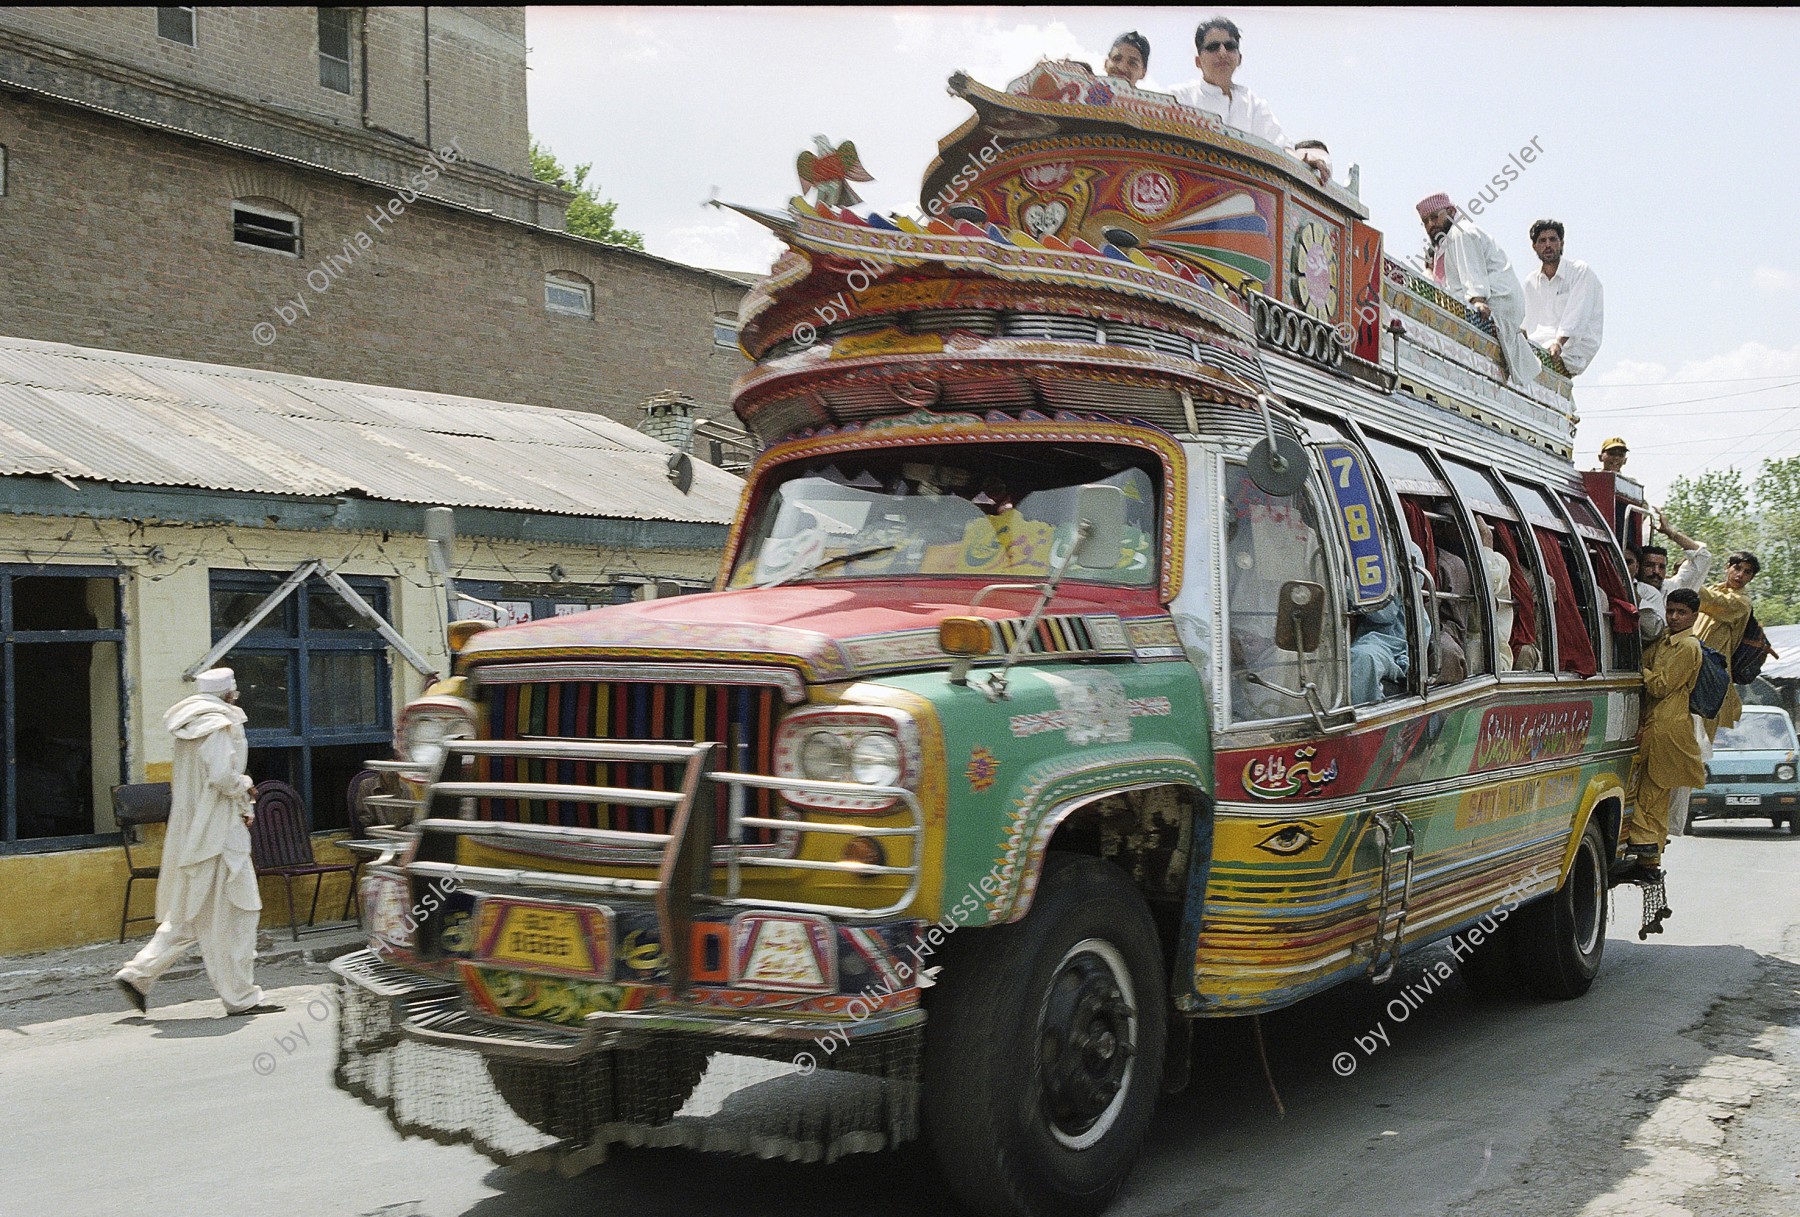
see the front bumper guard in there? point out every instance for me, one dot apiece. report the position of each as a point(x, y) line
point(431, 1010)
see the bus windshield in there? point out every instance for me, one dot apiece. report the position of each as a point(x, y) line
point(950, 510)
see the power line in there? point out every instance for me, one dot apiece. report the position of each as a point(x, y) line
point(1647, 409)
point(1658, 384)
point(1688, 401)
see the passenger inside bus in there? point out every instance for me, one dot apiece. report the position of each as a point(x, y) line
point(1380, 653)
point(1500, 598)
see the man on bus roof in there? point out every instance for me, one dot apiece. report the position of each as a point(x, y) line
point(1217, 42)
point(1470, 265)
point(1564, 303)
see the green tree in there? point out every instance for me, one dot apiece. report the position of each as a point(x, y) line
point(1778, 542)
point(589, 215)
point(1723, 511)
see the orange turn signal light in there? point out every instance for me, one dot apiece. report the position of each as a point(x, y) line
point(461, 631)
point(966, 635)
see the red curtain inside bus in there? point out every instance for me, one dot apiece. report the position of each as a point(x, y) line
point(1621, 608)
point(1575, 650)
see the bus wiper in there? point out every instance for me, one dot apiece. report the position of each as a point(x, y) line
point(837, 560)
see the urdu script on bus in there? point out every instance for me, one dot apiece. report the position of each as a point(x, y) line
point(1513, 735)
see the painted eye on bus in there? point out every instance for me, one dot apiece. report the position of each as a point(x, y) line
point(1289, 839)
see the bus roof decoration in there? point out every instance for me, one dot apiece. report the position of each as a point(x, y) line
point(829, 173)
point(1083, 245)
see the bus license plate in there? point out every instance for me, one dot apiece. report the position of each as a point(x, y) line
point(565, 939)
point(1743, 800)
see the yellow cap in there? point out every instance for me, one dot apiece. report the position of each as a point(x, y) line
point(1614, 442)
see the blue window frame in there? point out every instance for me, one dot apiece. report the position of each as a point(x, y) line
point(315, 682)
point(62, 705)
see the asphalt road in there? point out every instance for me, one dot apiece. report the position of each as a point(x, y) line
point(1671, 1090)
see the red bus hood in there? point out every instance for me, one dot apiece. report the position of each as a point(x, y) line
point(829, 631)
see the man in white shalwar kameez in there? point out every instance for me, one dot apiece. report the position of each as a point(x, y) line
point(1217, 43)
point(207, 892)
point(1565, 307)
point(1469, 264)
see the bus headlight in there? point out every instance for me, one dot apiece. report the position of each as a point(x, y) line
point(825, 757)
point(868, 745)
point(875, 759)
point(1784, 773)
point(426, 723)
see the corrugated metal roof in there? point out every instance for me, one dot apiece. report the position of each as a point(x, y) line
point(111, 416)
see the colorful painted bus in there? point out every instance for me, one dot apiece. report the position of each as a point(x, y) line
point(1152, 603)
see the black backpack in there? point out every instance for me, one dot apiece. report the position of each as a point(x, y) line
point(1711, 685)
point(1747, 661)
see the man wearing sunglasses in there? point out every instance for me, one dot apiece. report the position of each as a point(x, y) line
point(1218, 41)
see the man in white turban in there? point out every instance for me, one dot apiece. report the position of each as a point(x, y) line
point(1469, 264)
point(207, 892)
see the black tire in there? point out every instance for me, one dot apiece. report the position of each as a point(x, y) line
point(1559, 940)
point(1774, 821)
point(1045, 1048)
point(1489, 970)
point(1793, 823)
point(568, 1101)
point(1691, 828)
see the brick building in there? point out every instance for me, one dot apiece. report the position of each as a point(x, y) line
point(343, 193)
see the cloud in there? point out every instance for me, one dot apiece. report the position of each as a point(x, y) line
point(1772, 281)
point(1737, 408)
point(990, 51)
point(729, 243)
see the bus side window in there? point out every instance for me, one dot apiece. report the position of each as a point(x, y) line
point(1507, 561)
point(1610, 572)
point(1573, 600)
point(1525, 644)
point(1271, 541)
point(1615, 593)
point(1450, 622)
point(1435, 526)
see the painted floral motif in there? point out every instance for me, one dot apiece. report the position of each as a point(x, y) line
point(983, 767)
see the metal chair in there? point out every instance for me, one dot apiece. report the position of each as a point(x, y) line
point(133, 807)
point(281, 846)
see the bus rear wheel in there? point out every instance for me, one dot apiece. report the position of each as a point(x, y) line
point(1045, 1047)
point(1560, 939)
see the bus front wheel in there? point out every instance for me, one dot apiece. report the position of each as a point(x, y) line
point(1044, 1049)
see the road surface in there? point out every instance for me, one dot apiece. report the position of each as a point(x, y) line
point(1671, 1089)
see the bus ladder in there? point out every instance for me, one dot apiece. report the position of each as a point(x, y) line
point(1397, 847)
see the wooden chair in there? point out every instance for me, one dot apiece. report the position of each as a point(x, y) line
point(133, 807)
point(280, 845)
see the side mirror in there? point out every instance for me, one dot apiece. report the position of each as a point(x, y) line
point(440, 539)
point(1300, 616)
point(1102, 509)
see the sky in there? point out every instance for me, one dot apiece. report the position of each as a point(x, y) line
point(1667, 142)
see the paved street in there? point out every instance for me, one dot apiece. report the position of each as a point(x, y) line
point(1671, 1089)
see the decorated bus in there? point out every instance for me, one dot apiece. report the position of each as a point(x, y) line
point(1152, 602)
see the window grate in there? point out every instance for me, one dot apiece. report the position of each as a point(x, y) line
point(264, 229)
